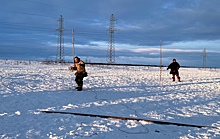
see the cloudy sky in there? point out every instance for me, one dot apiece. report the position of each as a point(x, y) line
point(28, 30)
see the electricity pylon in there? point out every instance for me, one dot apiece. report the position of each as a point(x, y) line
point(60, 44)
point(111, 49)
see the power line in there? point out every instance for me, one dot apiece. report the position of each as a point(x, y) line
point(26, 28)
point(26, 13)
point(55, 17)
point(69, 8)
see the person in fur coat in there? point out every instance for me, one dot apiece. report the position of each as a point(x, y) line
point(79, 66)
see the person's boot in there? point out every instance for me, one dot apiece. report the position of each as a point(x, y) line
point(79, 88)
point(80, 85)
point(178, 79)
point(173, 79)
point(77, 85)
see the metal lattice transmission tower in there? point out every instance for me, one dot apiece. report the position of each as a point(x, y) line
point(60, 44)
point(111, 49)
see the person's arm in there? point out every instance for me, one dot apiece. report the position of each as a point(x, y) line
point(81, 63)
point(178, 66)
point(168, 67)
point(72, 68)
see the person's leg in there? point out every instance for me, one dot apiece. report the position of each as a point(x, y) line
point(177, 75)
point(80, 86)
point(173, 77)
point(79, 83)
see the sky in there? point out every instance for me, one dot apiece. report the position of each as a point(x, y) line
point(187, 30)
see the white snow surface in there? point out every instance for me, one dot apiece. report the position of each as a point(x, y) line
point(26, 89)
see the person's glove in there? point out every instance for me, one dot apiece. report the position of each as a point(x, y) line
point(70, 68)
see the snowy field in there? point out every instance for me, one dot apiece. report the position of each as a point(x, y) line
point(26, 89)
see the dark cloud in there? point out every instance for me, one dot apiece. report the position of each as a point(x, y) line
point(33, 23)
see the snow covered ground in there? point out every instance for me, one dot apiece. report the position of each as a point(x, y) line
point(28, 88)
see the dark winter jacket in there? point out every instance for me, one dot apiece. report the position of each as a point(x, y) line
point(174, 68)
